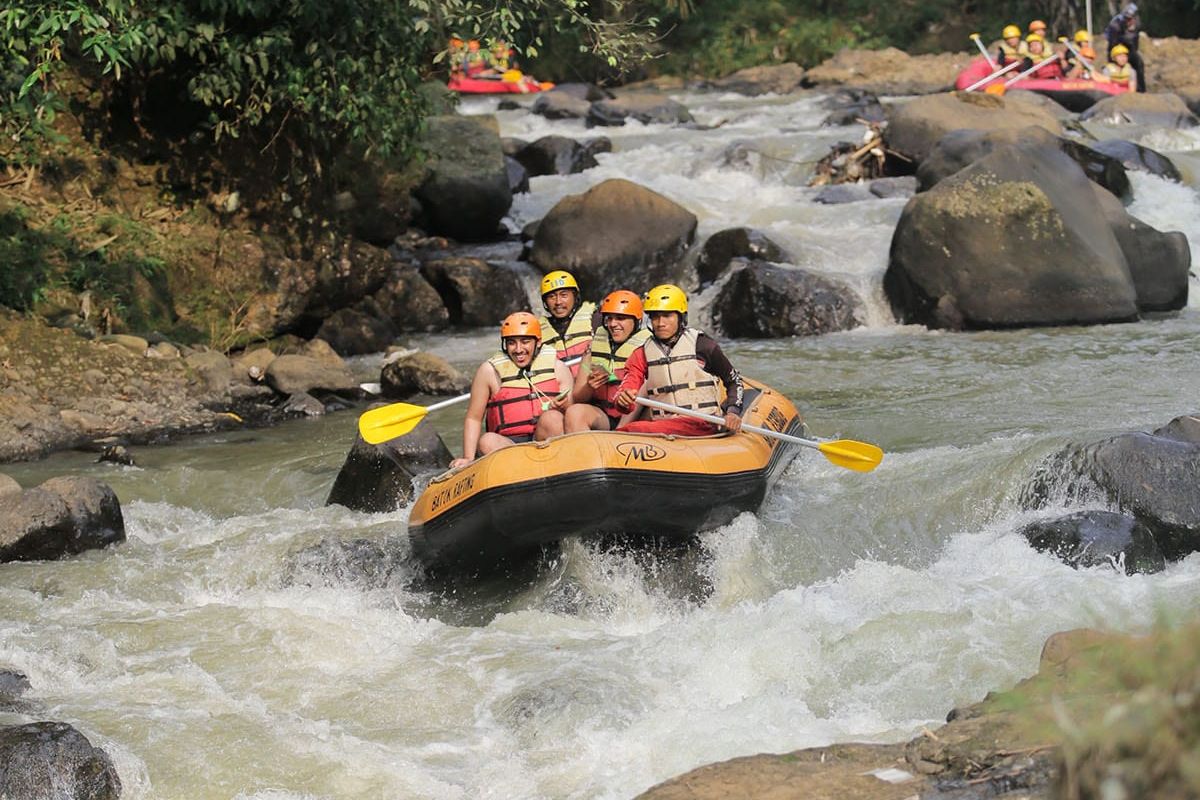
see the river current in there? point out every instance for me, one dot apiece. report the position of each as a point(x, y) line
point(211, 663)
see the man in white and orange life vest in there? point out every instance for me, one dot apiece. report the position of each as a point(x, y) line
point(517, 395)
point(569, 321)
point(593, 399)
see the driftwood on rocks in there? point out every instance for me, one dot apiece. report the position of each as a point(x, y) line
point(850, 162)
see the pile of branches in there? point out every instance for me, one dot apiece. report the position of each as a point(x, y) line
point(851, 162)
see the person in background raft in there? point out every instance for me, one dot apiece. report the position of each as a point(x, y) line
point(1120, 71)
point(569, 322)
point(600, 372)
point(1126, 29)
point(456, 52)
point(474, 62)
point(1075, 68)
point(1012, 47)
point(500, 57)
point(1050, 68)
point(681, 366)
point(518, 395)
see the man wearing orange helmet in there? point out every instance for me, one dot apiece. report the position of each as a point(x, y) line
point(569, 321)
point(518, 394)
point(600, 373)
point(681, 366)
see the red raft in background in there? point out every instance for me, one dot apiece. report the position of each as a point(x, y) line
point(511, 82)
point(1074, 94)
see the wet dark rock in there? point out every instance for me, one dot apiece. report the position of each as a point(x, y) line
point(1159, 109)
point(1134, 156)
point(556, 104)
point(955, 261)
point(353, 331)
point(852, 106)
point(53, 760)
point(307, 291)
point(13, 684)
point(615, 234)
point(475, 292)
point(645, 108)
point(1153, 476)
point(303, 404)
point(518, 176)
point(410, 301)
point(116, 454)
point(1158, 262)
point(511, 145)
point(213, 369)
point(290, 374)
point(724, 246)
point(63, 516)
point(421, 373)
point(766, 79)
point(840, 193)
point(1098, 538)
point(377, 478)
point(904, 186)
point(555, 155)
point(960, 148)
point(466, 191)
point(360, 562)
point(508, 105)
point(763, 300)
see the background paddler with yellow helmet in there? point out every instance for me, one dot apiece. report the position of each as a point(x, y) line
point(569, 321)
point(1012, 46)
point(517, 395)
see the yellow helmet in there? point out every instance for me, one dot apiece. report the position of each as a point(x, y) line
point(1035, 37)
point(1119, 50)
point(1082, 36)
point(558, 279)
point(666, 297)
point(520, 323)
point(1010, 31)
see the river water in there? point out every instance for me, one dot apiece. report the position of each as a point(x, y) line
point(212, 664)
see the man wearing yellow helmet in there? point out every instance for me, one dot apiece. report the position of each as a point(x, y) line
point(681, 366)
point(1012, 47)
point(518, 394)
point(569, 322)
point(1119, 70)
point(1126, 29)
point(1050, 68)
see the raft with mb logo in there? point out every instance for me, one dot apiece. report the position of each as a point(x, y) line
point(511, 504)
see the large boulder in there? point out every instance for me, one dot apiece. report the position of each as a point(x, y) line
point(474, 292)
point(465, 193)
point(62, 517)
point(292, 374)
point(1097, 538)
point(762, 300)
point(1153, 476)
point(213, 369)
point(410, 302)
point(53, 760)
point(1134, 156)
point(354, 331)
point(852, 107)
point(958, 148)
point(723, 247)
point(644, 107)
point(1142, 108)
point(518, 176)
point(420, 373)
point(765, 79)
point(555, 155)
point(379, 477)
point(1015, 239)
point(615, 234)
point(889, 71)
point(1159, 262)
point(567, 101)
point(915, 127)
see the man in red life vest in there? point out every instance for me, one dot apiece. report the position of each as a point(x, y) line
point(569, 321)
point(1050, 68)
point(593, 405)
point(517, 395)
point(681, 366)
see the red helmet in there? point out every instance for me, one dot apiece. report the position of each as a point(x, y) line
point(623, 302)
point(520, 323)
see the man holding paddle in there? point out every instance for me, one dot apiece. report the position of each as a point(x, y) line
point(679, 366)
point(517, 395)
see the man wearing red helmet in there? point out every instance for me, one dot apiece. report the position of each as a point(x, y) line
point(517, 395)
point(593, 405)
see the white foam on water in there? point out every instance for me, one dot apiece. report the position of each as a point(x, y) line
point(1170, 206)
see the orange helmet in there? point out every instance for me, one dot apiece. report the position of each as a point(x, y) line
point(1037, 25)
point(456, 41)
point(622, 302)
point(520, 323)
point(473, 45)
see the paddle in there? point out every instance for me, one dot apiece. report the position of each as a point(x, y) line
point(1031, 70)
point(995, 74)
point(858, 456)
point(978, 43)
point(1097, 76)
point(378, 425)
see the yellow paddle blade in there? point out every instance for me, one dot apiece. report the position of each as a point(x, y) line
point(511, 76)
point(858, 456)
point(995, 88)
point(387, 422)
